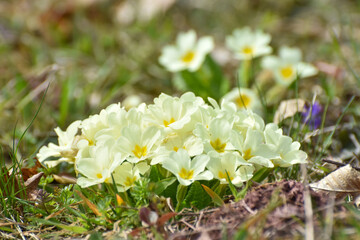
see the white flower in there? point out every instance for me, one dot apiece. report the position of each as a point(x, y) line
point(178, 140)
point(98, 166)
point(172, 112)
point(187, 54)
point(248, 120)
point(231, 163)
point(247, 44)
point(253, 148)
point(226, 110)
point(95, 123)
point(288, 66)
point(244, 98)
point(131, 101)
point(116, 121)
point(127, 174)
point(186, 170)
point(137, 143)
point(287, 150)
point(216, 136)
point(66, 150)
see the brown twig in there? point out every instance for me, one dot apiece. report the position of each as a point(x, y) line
point(339, 164)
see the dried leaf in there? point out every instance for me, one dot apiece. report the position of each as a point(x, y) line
point(32, 183)
point(216, 199)
point(29, 172)
point(343, 181)
point(288, 108)
point(92, 206)
point(331, 70)
point(64, 179)
point(164, 218)
point(136, 231)
point(14, 184)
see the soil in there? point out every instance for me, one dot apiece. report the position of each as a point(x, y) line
point(271, 211)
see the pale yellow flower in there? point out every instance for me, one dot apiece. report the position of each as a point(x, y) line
point(188, 53)
point(247, 44)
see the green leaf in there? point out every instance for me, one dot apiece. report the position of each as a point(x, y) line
point(170, 191)
point(231, 186)
point(218, 84)
point(96, 236)
point(260, 175)
point(160, 186)
point(197, 197)
point(193, 83)
point(154, 174)
point(215, 198)
point(74, 229)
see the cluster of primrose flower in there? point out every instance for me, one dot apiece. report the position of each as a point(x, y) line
point(245, 44)
point(184, 135)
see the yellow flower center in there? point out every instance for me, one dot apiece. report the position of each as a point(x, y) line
point(247, 50)
point(188, 57)
point(243, 101)
point(176, 148)
point(129, 181)
point(185, 174)
point(223, 175)
point(140, 151)
point(167, 123)
point(218, 145)
point(99, 175)
point(287, 72)
point(247, 154)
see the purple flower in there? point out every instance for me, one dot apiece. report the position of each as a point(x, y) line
point(312, 115)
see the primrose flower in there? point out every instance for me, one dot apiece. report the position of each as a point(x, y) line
point(186, 170)
point(137, 143)
point(244, 98)
point(127, 174)
point(238, 170)
point(116, 121)
point(98, 167)
point(288, 66)
point(173, 113)
point(93, 124)
point(178, 140)
point(216, 136)
point(187, 54)
point(65, 151)
point(248, 120)
point(247, 44)
point(253, 148)
point(288, 151)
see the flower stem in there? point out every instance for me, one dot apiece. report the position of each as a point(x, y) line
point(244, 74)
point(180, 196)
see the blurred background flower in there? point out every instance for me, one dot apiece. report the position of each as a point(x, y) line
point(247, 44)
point(312, 115)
